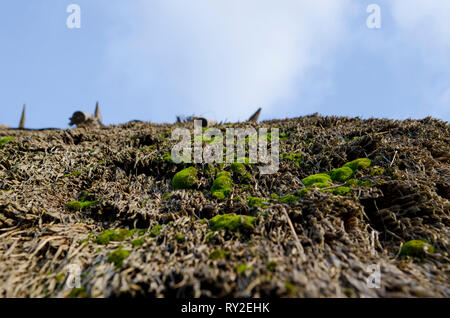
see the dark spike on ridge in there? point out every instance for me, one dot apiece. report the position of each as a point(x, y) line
point(22, 118)
point(97, 112)
point(254, 118)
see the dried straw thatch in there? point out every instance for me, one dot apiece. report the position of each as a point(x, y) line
point(314, 243)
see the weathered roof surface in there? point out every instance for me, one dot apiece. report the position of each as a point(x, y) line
point(403, 195)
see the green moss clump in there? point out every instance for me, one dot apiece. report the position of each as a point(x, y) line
point(113, 236)
point(218, 254)
point(365, 183)
point(241, 268)
point(5, 140)
point(303, 192)
point(237, 199)
point(289, 199)
point(238, 168)
point(320, 178)
point(73, 174)
point(254, 201)
point(352, 182)
point(78, 206)
point(232, 222)
point(180, 238)
point(341, 174)
point(358, 164)
point(167, 195)
point(271, 266)
point(78, 293)
point(222, 186)
point(290, 288)
point(118, 256)
point(167, 157)
point(377, 172)
point(275, 196)
point(154, 232)
point(416, 248)
point(341, 191)
point(137, 242)
point(185, 179)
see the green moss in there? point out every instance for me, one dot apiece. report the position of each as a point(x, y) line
point(180, 238)
point(167, 157)
point(289, 199)
point(73, 174)
point(167, 195)
point(352, 182)
point(78, 293)
point(243, 160)
point(84, 196)
point(365, 184)
point(416, 248)
point(275, 196)
point(303, 192)
point(238, 168)
point(218, 254)
point(237, 199)
point(5, 140)
point(341, 174)
point(254, 201)
point(242, 268)
point(377, 172)
point(232, 222)
point(117, 257)
point(358, 164)
point(341, 191)
point(154, 232)
point(271, 266)
point(320, 178)
point(296, 158)
point(137, 242)
point(113, 236)
point(222, 186)
point(290, 288)
point(148, 148)
point(78, 206)
point(60, 277)
point(185, 179)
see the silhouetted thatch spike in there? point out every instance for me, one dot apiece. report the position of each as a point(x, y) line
point(255, 116)
point(22, 119)
point(97, 112)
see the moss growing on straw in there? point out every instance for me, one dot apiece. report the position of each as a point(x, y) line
point(118, 256)
point(78, 205)
point(317, 179)
point(341, 174)
point(113, 236)
point(288, 199)
point(232, 222)
point(4, 141)
point(222, 186)
point(218, 254)
point(185, 179)
point(416, 248)
point(358, 164)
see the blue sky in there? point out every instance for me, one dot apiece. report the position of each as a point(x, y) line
point(154, 59)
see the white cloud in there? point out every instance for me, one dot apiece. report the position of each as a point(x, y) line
point(225, 58)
